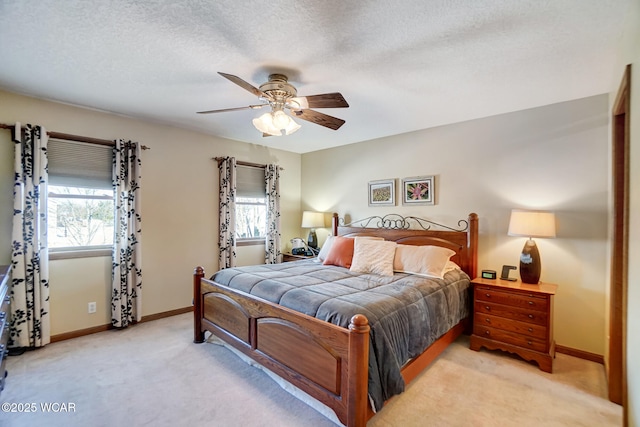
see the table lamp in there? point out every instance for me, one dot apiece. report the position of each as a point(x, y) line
point(531, 224)
point(312, 220)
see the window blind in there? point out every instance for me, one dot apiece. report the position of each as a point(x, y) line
point(250, 182)
point(78, 164)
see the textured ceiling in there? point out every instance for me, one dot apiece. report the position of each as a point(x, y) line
point(403, 65)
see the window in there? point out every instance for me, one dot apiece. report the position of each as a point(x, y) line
point(251, 204)
point(80, 198)
point(80, 217)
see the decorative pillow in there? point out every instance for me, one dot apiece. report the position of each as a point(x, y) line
point(340, 252)
point(373, 256)
point(428, 261)
point(326, 246)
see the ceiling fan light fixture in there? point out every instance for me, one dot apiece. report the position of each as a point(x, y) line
point(275, 122)
point(291, 127)
point(264, 124)
point(279, 94)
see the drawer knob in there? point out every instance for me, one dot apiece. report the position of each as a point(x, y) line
point(530, 302)
point(487, 333)
point(487, 320)
point(529, 342)
point(486, 307)
point(530, 329)
point(488, 295)
point(531, 316)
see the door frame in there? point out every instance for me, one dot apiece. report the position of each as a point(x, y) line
point(617, 366)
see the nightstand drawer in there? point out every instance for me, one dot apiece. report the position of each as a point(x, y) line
point(515, 313)
point(528, 329)
point(510, 338)
point(532, 302)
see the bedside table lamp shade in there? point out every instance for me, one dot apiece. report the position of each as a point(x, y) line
point(312, 220)
point(531, 224)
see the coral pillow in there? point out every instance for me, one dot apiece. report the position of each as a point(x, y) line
point(340, 252)
point(428, 261)
point(373, 256)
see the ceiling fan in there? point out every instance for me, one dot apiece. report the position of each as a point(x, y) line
point(279, 94)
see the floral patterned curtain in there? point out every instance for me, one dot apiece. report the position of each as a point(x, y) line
point(30, 320)
point(227, 214)
point(272, 242)
point(126, 277)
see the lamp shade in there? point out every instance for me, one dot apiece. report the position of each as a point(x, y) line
point(532, 223)
point(312, 219)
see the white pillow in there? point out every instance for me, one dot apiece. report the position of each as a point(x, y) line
point(326, 246)
point(428, 261)
point(373, 256)
point(450, 267)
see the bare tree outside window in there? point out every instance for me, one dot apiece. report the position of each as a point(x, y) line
point(80, 217)
point(251, 218)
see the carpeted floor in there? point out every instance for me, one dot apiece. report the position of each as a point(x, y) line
point(153, 375)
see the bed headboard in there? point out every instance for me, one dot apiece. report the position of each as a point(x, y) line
point(421, 232)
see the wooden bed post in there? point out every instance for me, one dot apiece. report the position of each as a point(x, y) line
point(472, 245)
point(198, 334)
point(334, 224)
point(358, 371)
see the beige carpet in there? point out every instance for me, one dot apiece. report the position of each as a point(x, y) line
point(153, 375)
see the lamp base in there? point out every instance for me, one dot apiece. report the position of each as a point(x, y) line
point(530, 264)
point(312, 240)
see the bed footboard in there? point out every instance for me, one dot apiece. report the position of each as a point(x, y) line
point(330, 363)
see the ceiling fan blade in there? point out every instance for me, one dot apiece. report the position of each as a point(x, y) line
point(247, 86)
point(318, 118)
point(325, 100)
point(252, 107)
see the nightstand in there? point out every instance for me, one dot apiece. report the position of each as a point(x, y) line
point(287, 256)
point(514, 317)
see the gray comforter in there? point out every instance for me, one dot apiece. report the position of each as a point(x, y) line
point(407, 313)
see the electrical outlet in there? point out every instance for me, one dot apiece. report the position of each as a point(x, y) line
point(92, 307)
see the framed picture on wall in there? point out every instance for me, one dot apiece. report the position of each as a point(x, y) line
point(382, 192)
point(419, 190)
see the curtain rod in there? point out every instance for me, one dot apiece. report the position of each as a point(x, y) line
point(241, 163)
point(59, 135)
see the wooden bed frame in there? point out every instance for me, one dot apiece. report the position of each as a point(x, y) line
point(326, 361)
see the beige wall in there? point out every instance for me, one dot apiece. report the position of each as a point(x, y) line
point(553, 157)
point(630, 54)
point(179, 202)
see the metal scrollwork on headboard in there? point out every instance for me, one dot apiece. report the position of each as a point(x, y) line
point(399, 222)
